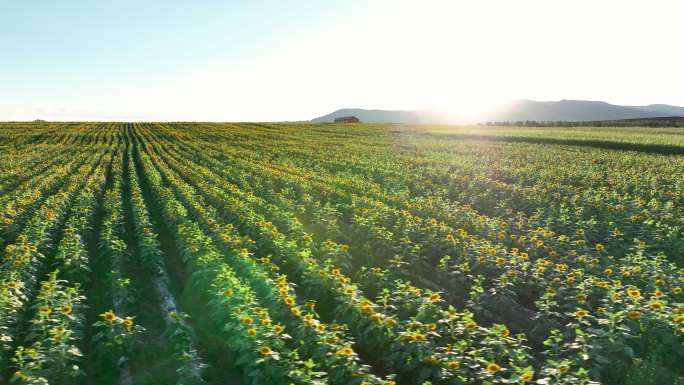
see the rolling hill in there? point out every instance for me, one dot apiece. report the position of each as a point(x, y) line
point(565, 110)
point(379, 116)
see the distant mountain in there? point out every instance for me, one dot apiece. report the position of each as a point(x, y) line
point(380, 116)
point(518, 110)
point(663, 109)
point(573, 110)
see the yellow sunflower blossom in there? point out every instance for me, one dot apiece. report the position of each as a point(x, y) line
point(265, 350)
point(109, 316)
point(128, 323)
point(581, 313)
point(633, 293)
point(346, 351)
point(527, 376)
point(492, 368)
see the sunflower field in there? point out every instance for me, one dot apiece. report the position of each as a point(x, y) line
point(341, 254)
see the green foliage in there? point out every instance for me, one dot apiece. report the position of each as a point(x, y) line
point(355, 254)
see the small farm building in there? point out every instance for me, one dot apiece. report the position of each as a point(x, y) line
point(347, 119)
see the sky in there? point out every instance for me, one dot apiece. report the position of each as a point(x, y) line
point(261, 60)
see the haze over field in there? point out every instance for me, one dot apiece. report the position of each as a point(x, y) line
point(271, 61)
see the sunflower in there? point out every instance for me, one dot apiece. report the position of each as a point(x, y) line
point(677, 290)
point(656, 305)
point(431, 326)
point(435, 297)
point(453, 364)
point(346, 351)
point(266, 322)
point(265, 350)
point(527, 376)
point(633, 314)
point(633, 293)
point(247, 320)
point(228, 292)
point(12, 285)
point(109, 316)
point(418, 337)
point(67, 309)
point(332, 340)
point(128, 323)
point(289, 301)
point(505, 332)
point(581, 313)
point(679, 319)
point(251, 332)
point(45, 310)
point(581, 297)
point(492, 368)
point(600, 247)
point(278, 329)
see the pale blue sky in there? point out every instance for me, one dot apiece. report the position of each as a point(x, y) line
point(289, 60)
